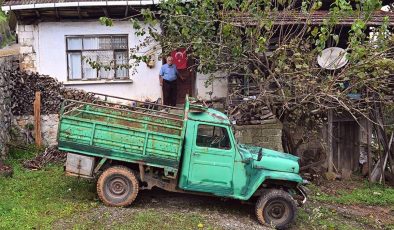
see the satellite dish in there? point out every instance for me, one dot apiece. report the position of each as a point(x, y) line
point(332, 58)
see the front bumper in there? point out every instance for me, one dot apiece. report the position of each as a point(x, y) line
point(302, 195)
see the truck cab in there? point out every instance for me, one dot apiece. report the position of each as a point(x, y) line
point(192, 150)
point(214, 162)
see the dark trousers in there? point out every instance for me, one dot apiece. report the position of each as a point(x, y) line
point(169, 92)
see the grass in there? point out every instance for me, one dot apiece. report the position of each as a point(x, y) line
point(154, 219)
point(368, 194)
point(141, 219)
point(34, 199)
point(321, 218)
point(151, 219)
point(38, 199)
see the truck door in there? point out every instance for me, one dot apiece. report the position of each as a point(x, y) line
point(211, 160)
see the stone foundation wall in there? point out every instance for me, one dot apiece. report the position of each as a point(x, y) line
point(23, 131)
point(7, 64)
point(267, 135)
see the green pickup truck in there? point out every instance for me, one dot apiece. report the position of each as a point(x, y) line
point(131, 146)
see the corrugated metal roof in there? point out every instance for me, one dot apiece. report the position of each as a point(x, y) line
point(316, 18)
point(25, 2)
point(29, 2)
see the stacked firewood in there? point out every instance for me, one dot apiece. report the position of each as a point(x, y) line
point(251, 113)
point(23, 88)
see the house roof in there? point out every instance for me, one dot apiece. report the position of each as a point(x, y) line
point(27, 2)
point(32, 11)
point(69, 9)
point(316, 18)
point(32, 2)
point(37, 4)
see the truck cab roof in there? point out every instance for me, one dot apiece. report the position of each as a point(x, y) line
point(208, 115)
point(201, 113)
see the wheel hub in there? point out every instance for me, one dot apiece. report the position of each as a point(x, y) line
point(118, 186)
point(276, 210)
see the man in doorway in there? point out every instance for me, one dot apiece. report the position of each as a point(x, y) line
point(168, 76)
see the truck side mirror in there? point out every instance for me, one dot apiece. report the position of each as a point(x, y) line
point(260, 155)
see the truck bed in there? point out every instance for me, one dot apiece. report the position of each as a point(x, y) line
point(142, 133)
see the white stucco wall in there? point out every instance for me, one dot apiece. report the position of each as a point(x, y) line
point(52, 60)
point(45, 52)
point(218, 86)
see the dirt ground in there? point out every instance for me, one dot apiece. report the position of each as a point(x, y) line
point(232, 214)
point(223, 214)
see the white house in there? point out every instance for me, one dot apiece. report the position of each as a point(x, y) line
point(55, 36)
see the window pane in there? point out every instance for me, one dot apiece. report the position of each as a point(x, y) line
point(105, 58)
point(101, 50)
point(74, 43)
point(105, 43)
point(213, 137)
point(74, 66)
point(88, 71)
point(90, 43)
point(121, 59)
point(119, 42)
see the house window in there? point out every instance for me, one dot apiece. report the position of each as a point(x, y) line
point(108, 50)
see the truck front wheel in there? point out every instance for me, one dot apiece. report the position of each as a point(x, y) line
point(117, 186)
point(276, 208)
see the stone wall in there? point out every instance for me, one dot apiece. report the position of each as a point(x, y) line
point(7, 64)
point(23, 131)
point(268, 135)
point(28, 47)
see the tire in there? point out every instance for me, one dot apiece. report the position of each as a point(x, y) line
point(276, 208)
point(117, 186)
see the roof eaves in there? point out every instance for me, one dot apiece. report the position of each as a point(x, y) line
point(79, 4)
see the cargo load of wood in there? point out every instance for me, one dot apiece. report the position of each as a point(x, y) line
point(24, 86)
point(250, 113)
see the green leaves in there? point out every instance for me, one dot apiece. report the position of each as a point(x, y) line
point(135, 24)
point(106, 21)
point(315, 31)
point(261, 45)
point(371, 5)
point(232, 36)
point(227, 28)
point(305, 5)
point(358, 26)
point(343, 5)
point(230, 4)
point(317, 5)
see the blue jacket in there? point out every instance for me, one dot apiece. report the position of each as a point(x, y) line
point(168, 72)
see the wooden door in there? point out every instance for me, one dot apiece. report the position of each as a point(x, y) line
point(184, 86)
point(346, 146)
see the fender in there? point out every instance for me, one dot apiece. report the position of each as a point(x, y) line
point(262, 175)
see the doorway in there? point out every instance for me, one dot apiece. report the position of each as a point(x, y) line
point(185, 86)
point(345, 145)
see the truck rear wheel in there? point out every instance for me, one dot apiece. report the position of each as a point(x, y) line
point(117, 186)
point(276, 208)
